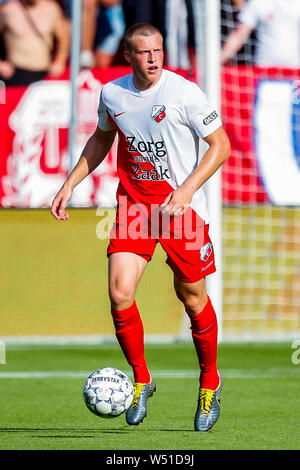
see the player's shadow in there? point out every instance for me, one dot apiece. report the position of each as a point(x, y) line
point(88, 432)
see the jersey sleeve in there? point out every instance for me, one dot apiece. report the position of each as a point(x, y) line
point(103, 122)
point(249, 14)
point(200, 114)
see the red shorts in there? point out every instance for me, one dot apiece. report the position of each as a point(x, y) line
point(185, 240)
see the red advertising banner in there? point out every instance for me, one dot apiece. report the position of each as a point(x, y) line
point(260, 112)
point(34, 128)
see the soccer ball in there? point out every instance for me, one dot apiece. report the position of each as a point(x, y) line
point(108, 392)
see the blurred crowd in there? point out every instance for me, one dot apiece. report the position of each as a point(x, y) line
point(35, 35)
point(263, 32)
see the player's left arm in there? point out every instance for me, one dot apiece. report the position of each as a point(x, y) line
point(217, 153)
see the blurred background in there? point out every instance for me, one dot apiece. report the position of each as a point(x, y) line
point(246, 56)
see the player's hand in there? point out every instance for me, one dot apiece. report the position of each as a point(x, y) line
point(177, 202)
point(59, 203)
point(56, 69)
point(7, 69)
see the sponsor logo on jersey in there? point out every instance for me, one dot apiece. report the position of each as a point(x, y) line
point(205, 252)
point(153, 174)
point(149, 152)
point(206, 267)
point(119, 114)
point(158, 112)
point(210, 118)
point(156, 149)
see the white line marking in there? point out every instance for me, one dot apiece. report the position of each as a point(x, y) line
point(81, 340)
point(164, 374)
point(78, 340)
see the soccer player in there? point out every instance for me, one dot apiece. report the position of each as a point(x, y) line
point(276, 24)
point(30, 28)
point(160, 119)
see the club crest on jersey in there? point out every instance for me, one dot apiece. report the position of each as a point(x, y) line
point(206, 251)
point(158, 112)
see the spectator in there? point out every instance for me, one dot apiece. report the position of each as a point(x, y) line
point(277, 25)
point(180, 36)
point(238, 3)
point(66, 7)
point(229, 20)
point(174, 18)
point(109, 32)
point(30, 28)
point(103, 26)
point(145, 11)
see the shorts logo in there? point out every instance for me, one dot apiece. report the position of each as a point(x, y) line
point(205, 252)
point(158, 112)
point(210, 118)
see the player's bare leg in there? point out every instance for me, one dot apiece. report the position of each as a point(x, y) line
point(125, 271)
point(192, 294)
point(204, 331)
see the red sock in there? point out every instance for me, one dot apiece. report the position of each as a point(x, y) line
point(204, 332)
point(130, 334)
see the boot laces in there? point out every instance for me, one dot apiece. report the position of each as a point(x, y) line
point(205, 397)
point(138, 387)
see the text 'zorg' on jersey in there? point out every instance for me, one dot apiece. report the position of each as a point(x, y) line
point(160, 131)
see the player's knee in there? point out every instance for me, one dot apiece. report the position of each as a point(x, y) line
point(121, 297)
point(193, 304)
point(194, 297)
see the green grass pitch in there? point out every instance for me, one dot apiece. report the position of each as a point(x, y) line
point(54, 282)
point(259, 404)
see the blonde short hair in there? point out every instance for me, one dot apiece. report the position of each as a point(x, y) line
point(142, 29)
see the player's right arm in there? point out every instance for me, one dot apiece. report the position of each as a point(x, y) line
point(94, 152)
point(235, 42)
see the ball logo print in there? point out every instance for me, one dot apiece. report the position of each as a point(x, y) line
point(158, 112)
point(108, 392)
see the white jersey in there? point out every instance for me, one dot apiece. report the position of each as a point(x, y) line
point(277, 25)
point(159, 134)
